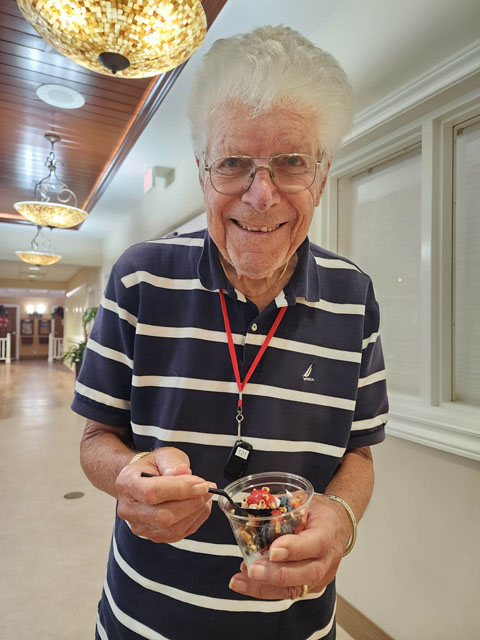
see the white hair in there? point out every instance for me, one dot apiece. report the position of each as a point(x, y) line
point(269, 67)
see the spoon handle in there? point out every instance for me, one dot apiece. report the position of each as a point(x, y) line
point(224, 494)
point(221, 492)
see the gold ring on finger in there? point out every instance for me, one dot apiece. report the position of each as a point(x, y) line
point(304, 590)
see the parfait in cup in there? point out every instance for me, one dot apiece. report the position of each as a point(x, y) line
point(276, 504)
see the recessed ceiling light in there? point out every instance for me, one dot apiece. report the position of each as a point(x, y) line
point(34, 268)
point(59, 96)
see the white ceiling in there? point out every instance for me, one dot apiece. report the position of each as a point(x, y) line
point(382, 44)
point(18, 270)
point(31, 293)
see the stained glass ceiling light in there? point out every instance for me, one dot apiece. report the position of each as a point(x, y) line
point(41, 252)
point(130, 38)
point(50, 207)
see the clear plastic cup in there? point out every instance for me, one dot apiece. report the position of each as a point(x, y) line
point(255, 534)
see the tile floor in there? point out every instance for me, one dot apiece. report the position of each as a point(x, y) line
point(54, 550)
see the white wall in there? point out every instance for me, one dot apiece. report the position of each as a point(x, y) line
point(157, 212)
point(194, 224)
point(415, 568)
point(84, 292)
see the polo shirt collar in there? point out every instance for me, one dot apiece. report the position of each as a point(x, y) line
point(210, 270)
point(304, 283)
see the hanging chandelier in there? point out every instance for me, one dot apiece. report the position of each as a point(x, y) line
point(50, 207)
point(41, 252)
point(130, 38)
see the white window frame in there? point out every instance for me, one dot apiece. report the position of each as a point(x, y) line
point(432, 419)
point(464, 123)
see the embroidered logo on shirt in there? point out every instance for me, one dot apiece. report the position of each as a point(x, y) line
point(307, 376)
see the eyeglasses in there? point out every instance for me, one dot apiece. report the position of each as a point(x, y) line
point(290, 172)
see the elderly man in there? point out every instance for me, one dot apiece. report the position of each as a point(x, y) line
point(171, 382)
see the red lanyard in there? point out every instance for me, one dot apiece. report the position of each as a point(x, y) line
point(233, 355)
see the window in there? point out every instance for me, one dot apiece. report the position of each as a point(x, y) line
point(379, 229)
point(404, 206)
point(466, 266)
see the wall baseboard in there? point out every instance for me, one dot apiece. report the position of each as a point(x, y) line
point(356, 624)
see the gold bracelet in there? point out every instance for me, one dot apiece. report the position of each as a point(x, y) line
point(139, 455)
point(353, 537)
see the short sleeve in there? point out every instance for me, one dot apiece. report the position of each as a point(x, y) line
point(371, 408)
point(103, 387)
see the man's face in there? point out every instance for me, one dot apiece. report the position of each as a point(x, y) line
point(258, 231)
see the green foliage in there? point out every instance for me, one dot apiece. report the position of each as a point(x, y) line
point(57, 312)
point(3, 317)
point(88, 315)
point(75, 354)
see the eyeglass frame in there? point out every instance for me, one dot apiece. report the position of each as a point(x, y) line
point(264, 166)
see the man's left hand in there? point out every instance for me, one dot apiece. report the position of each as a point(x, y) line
point(308, 558)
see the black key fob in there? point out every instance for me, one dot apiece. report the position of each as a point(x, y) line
point(238, 459)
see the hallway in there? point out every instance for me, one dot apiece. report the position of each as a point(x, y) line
point(53, 550)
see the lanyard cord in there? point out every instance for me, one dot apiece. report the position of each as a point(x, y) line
point(233, 355)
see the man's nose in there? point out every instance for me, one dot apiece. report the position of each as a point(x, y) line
point(263, 192)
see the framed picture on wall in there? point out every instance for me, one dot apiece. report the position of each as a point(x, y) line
point(43, 327)
point(26, 327)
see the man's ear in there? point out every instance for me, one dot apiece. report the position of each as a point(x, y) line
point(201, 175)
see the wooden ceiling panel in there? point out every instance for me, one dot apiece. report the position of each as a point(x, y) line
point(13, 20)
point(95, 139)
point(116, 115)
point(81, 84)
point(18, 87)
point(89, 92)
point(18, 37)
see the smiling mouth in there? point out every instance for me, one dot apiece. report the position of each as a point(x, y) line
point(247, 227)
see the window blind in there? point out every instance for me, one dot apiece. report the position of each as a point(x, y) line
point(466, 266)
point(379, 228)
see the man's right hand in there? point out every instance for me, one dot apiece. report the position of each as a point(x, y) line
point(167, 507)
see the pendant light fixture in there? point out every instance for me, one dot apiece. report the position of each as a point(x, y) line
point(129, 38)
point(50, 208)
point(41, 252)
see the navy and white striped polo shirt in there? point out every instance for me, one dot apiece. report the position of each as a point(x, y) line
point(157, 364)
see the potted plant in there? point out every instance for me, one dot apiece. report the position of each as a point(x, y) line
point(75, 354)
point(88, 317)
point(58, 311)
point(3, 317)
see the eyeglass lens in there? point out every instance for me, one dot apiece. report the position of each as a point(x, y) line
point(290, 173)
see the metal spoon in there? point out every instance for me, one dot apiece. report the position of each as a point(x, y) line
point(239, 510)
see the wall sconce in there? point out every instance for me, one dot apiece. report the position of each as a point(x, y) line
point(33, 310)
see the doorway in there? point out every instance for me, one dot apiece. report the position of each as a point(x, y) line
point(11, 328)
